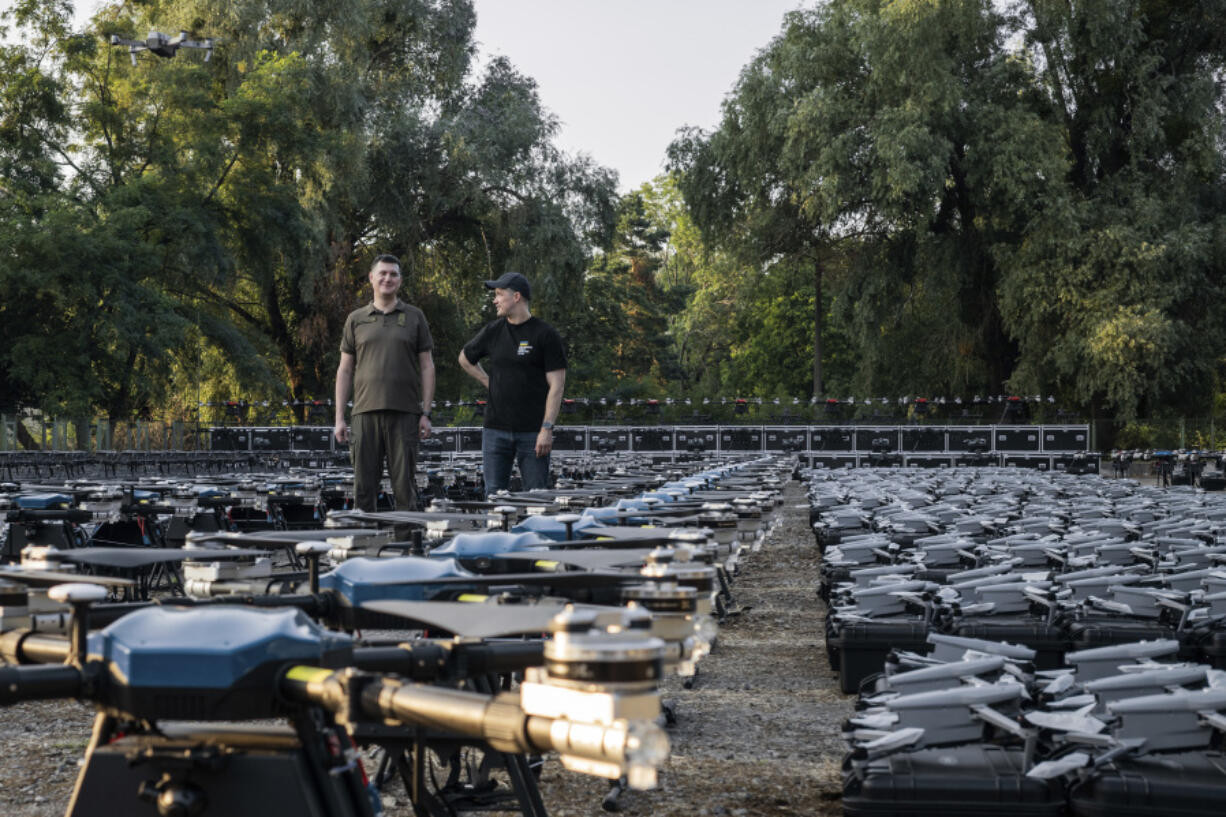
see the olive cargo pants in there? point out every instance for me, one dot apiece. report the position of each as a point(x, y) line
point(378, 435)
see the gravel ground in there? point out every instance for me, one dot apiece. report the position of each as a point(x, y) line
point(757, 735)
point(43, 742)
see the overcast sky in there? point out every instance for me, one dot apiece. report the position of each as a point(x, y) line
point(624, 75)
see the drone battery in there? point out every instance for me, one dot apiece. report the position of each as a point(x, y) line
point(238, 771)
point(1187, 784)
point(123, 533)
point(246, 518)
point(1049, 642)
point(863, 647)
point(178, 527)
point(958, 780)
point(296, 512)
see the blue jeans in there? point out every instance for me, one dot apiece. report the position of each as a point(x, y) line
point(501, 449)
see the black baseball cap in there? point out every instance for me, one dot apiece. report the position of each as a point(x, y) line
point(513, 281)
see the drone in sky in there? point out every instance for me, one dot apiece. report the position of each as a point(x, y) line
point(158, 43)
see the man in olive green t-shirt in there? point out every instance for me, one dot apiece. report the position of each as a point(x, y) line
point(386, 356)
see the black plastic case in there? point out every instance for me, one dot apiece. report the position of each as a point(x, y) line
point(1049, 642)
point(1182, 784)
point(958, 781)
point(863, 647)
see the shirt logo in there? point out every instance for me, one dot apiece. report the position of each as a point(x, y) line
point(524, 348)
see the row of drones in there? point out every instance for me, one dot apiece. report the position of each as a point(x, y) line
point(1202, 469)
point(1025, 643)
point(451, 648)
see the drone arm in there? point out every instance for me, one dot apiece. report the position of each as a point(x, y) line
point(633, 748)
point(28, 647)
point(429, 661)
point(314, 606)
point(41, 683)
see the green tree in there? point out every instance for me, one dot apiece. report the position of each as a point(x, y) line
point(226, 211)
point(1112, 294)
point(740, 194)
point(624, 350)
point(1026, 197)
point(892, 139)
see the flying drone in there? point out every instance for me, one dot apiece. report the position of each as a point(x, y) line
point(158, 43)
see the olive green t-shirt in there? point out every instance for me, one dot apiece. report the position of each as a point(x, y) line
point(387, 373)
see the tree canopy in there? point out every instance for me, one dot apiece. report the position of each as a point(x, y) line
point(1014, 198)
point(902, 197)
point(182, 221)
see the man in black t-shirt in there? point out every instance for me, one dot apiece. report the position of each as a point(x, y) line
point(527, 373)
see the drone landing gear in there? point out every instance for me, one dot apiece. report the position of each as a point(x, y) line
point(612, 797)
point(479, 792)
point(411, 763)
point(725, 605)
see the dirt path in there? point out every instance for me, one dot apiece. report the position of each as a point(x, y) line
point(758, 735)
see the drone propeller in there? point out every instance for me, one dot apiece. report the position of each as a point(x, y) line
point(47, 578)
point(273, 538)
point(519, 502)
point(475, 620)
point(128, 558)
point(590, 559)
point(419, 518)
point(627, 534)
point(402, 584)
point(572, 579)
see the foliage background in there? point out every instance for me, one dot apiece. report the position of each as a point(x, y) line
point(904, 197)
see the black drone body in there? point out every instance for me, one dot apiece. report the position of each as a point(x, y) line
point(158, 43)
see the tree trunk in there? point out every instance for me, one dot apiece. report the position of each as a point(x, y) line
point(279, 331)
point(818, 318)
point(24, 437)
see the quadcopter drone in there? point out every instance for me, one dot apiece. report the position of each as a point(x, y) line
point(158, 43)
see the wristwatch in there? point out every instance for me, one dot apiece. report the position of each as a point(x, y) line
point(547, 425)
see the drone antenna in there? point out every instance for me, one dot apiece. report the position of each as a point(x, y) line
point(78, 596)
point(312, 551)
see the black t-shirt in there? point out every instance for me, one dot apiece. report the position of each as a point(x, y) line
point(519, 356)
